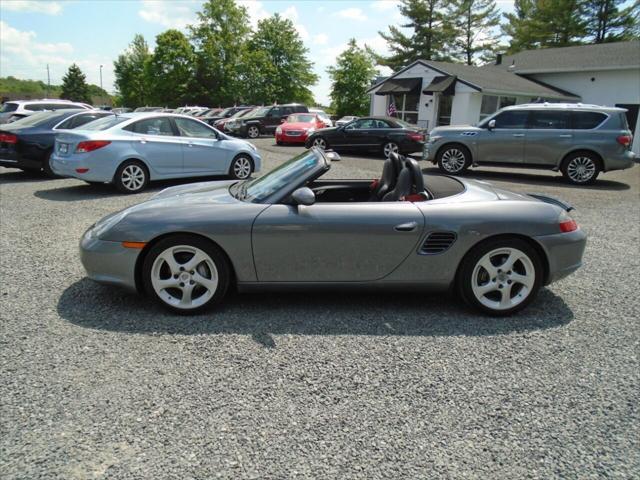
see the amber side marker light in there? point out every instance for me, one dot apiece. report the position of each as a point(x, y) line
point(134, 244)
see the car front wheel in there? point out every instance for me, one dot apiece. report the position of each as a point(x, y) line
point(500, 277)
point(581, 168)
point(253, 131)
point(453, 159)
point(186, 274)
point(131, 177)
point(241, 167)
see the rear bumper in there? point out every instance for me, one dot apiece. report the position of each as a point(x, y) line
point(564, 252)
point(627, 160)
point(98, 171)
point(108, 262)
point(12, 159)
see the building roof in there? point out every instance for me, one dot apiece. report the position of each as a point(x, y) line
point(490, 80)
point(603, 56)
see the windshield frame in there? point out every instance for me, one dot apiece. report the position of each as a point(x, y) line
point(239, 190)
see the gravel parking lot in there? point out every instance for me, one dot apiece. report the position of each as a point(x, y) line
point(98, 383)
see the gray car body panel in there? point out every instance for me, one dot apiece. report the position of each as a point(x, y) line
point(537, 147)
point(331, 244)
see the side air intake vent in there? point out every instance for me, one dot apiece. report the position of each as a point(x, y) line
point(437, 242)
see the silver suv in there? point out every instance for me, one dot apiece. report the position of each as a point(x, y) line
point(579, 140)
point(17, 109)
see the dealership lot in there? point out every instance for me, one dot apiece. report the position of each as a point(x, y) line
point(99, 383)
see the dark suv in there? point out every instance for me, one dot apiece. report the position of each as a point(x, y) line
point(263, 120)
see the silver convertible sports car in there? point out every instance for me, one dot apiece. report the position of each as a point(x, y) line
point(187, 245)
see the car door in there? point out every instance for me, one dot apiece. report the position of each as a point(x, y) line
point(157, 142)
point(358, 134)
point(549, 135)
point(504, 143)
point(334, 242)
point(202, 152)
point(273, 119)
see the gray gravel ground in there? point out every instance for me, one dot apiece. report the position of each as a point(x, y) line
point(98, 383)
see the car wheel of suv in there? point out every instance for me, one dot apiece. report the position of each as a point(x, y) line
point(500, 276)
point(241, 167)
point(253, 131)
point(186, 274)
point(581, 168)
point(389, 148)
point(131, 177)
point(454, 159)
point(320, 142)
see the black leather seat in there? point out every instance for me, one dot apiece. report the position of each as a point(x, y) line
point(410, 184)
point(387, 181)
point(403, 186)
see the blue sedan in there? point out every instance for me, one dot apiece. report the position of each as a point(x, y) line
point(133, 149)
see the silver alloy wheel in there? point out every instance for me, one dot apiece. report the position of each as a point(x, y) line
point(320, 143)
point(184, 277)
point(133, 177)
point(503, 278)
point(253, 132)
point(242, 167)
point(453, 160)
point(390, 148)
point(581, 169)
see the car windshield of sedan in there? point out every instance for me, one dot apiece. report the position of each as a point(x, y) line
point(288, 173)
point(302, 118)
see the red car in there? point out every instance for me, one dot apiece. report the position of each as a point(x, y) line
point(297, 127)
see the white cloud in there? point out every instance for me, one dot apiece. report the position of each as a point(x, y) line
point(167, 14)
point(328, 55)
point(292, 14)
point(352, 14)
point(34, 6)
point(384, 5)
point(255, 10)
point(321, 39)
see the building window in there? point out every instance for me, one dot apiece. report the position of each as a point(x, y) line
point(493, 103)
point(444, 110)
point(406, 106)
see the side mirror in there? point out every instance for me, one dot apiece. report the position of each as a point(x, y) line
point(491, 125)
point(304, 196)
point(282, 120)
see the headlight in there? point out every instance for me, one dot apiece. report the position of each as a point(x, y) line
point(311, 130)
point(278, 130)
point(252, 146)
point(434, 138)
point(106, 224)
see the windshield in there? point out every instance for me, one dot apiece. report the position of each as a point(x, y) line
point(259, 112)
point(34, 120)
point(9, 107)
point(303, 118)
point(403, 124)
point(103, 123)
point(241, 113)
point(288, 173)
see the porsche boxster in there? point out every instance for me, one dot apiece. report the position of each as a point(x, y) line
point(186, 246)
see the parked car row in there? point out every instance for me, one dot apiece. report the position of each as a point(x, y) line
point(17, 109)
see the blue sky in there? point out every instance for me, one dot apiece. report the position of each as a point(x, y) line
point(93, 32)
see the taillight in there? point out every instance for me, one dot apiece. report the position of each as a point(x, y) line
point(8, 138)
point(624, 140)
point(566, 223)
point(91, 145)
point(416, 137)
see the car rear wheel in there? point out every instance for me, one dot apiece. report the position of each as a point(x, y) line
point(320, 143)
point(253, 131)
point(46, 166)
point(131, 177)
point(581, 168)
point(453, 159)
point(500, 277)
point(186, 274)
point(241, 167)
point(389, 148)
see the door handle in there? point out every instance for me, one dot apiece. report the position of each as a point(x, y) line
point(190, 144)
point(518, 134)
point(566, 135)
point(406, 227)
point(143, 140)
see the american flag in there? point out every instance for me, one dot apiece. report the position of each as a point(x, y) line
point(391, 111)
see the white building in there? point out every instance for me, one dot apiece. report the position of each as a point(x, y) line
point(430, 93)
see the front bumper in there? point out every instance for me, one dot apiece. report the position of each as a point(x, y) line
point(108, 262)
point(564, 252)
point(284, 137)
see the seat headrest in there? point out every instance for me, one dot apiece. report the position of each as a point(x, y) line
point(416, 173)
point(396, 158)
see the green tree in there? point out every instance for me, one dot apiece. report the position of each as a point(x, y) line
point(131, 72)
point(432, 37)
point(281, 71)
point(74, 85)
point(545, 23)
point(350, 79)
point(171, 69)
point(475, 22)
point(219, 38)
point(608, 22)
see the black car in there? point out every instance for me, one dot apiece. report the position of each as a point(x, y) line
point(226, 113)
point(380, 134)
point(264, 120)
point(27, 143)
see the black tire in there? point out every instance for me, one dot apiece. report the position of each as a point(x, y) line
point(133, 167)
point(390, 147)
point(318, 141)
point(453, 159)
point(241, 167)
point(581, 168)
point(505, 282)
point(46, 166)
point(253, 131)
point(215, 254)
point(279, 142)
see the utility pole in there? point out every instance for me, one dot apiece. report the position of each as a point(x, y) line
point(101, 97)
point(48, 81)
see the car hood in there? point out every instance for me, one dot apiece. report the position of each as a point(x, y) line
point(297, 125)
point(454, 129)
